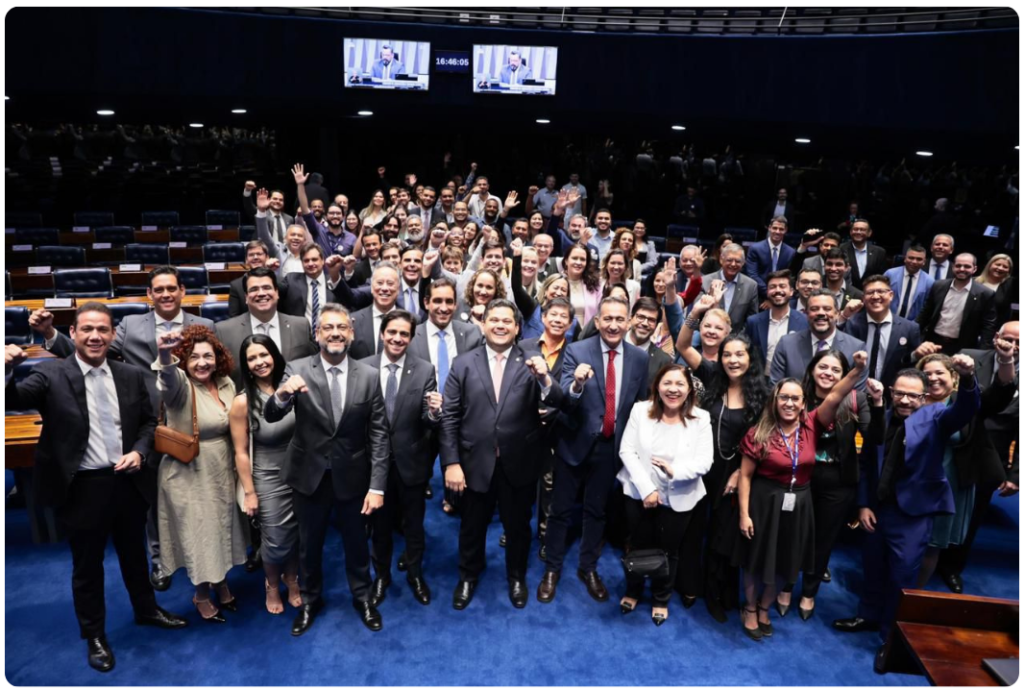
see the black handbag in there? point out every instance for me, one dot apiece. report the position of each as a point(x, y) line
point(646, 563)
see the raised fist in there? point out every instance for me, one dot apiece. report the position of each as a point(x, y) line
point(963, 364)
point(581, 375)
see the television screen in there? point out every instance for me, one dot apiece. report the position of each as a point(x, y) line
point(509, 69)
point(372, 63)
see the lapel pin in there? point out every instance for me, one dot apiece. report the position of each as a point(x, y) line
point(903, 340)
point(519, 359)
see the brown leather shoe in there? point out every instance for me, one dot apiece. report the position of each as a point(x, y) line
point(546, 589)
point(594, 585)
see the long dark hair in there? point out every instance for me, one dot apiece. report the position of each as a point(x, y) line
point(753, 385)
point(811, 401)
point(249, 381)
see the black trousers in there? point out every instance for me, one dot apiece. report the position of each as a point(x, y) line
point(402, 503)
point(597, 476)
point(545, 492)
point(314, 515)
point(832, 503)
point(657, 528)
point(515, 507)
point(953, 559)
point(100, 505)
point(693, 550)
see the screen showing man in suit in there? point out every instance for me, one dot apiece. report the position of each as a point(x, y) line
point(372, 63)
point(514, 69)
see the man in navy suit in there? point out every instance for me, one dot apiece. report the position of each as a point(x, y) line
point(893, 343)
point(959, 313)
point(591, 428)
point(765, 329)
point(910, 285)
point(780, 206)
point(794, 352)
point(902, 488)
point(388, 65)
point(864, 258)
point(491, 444)
point(767, 256)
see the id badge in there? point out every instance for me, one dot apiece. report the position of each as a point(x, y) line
point(788, 501)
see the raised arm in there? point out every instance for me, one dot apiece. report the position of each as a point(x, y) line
point(827, 409)
point(684, 343)
point(171, 381)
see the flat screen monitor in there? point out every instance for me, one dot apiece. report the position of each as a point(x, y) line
point(509, 69)
point(374, 63)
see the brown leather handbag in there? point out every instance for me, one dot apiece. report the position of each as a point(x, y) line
point(178, 445)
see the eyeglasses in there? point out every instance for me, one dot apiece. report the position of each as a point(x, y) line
point(900, 395)
point(877, 293)
point(645, 318)
point(786, 398)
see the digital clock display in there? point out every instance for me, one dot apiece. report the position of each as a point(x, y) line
point(453, 61)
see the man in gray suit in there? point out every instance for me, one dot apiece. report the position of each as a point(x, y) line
point(515, 72)
point(135, 344)
point(337, 460)
point(290, 334)
point(740, 298)
point(794, 351)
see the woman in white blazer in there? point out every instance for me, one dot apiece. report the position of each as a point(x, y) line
point(666, 448)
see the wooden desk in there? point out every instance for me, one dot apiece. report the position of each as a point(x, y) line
point(22, 280)
point(21, 432)
point(65, 317)
point(161, 235)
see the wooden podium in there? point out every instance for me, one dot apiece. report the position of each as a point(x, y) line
point(945, 637)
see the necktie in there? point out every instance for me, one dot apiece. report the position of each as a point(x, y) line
point(876, 345)
point(279, 227)
point(442, 360)
point(608, 425)
point(102, 402)
point(391, 390)
point(775, 258)
point(314, 314)
point(906, 297)
point(264, 329)
point(410, 302)
point(497, 374)
point(336, 402)
point(938, 271)
point(822, 344)
point(387, 70)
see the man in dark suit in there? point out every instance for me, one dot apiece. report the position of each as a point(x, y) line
point(413, 406)
point(893, 343)
point(794, 351)
point(547, 264)
point(361, 270)
point(864, 258)
point(337, 460)
point(515, 71)
point(256, 256)
point(902, 488)
point(459, 337)
point(372, 304)
point(780, 206)
point(767, 256)
point(740, 297)
point(644, 319)
point(388, 66)
point(290, 334)
point(277, 220)
point(958, 312)
point(939, 265)
point(305, 294)
point(765, 329)
point(491, 443)
point(590, 431)
point(90, 467)
point(135, 344)
point(837, 278)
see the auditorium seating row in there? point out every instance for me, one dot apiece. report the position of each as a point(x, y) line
point(100, 219)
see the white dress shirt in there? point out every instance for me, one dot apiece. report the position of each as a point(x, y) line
point(449, 339)
point(96, 456)
point(951, 314)
point(177, 323)
point(775, 250)
point(861, 257)
point(377, 317)
point(943, 266)
point(273, 328)
point(776, 330)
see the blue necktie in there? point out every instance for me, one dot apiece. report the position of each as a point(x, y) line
point(107, 430)
point(775, 258)
point(442, 361)
point(938, 272)
point(410, 302)
point(314, 315)
point(391, 391)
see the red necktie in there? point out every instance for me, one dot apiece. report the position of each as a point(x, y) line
point(608, 426)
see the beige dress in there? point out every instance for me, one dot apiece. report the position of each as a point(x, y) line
point(199, 522)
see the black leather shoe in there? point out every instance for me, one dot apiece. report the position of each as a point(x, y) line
point(517, 593)
point(420, 590)
point(826, 577)
point(158, 579)
point(304, 619)
point(379, 591)
point(502, 541)
point(594, 584)
point(954, 583)
point(428, 492)
point(402, 565)
point(548, 586)
point(688, 601)
point(543, 553)
point(370, 616)
point(101, 657)
point(253, 562)
point(854, 625)
point(880, 660)
point(463, 594)
point(161, 619)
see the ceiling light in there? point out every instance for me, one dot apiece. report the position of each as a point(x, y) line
point(802, 140)
point(365, 113)
point(104, 112)
point(543, 121)
point(239, 111)
point(678, 128)
point(196, 125)
point(924, 153)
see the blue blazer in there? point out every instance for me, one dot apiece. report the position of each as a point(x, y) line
point(924, 285)
point(756, 329)
point(904, 339)
point(581, 418)
point(759, 263)
point(922, 489)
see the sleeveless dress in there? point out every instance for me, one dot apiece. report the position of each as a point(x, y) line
point(278, 524)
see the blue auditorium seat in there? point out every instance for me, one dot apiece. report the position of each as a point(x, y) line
point(228, 252)
point(23, 219)
point(227, 219)
point(195, 279)
point(60, 255)
point(94, 219)
point(147, 253)
point(193, 235)
point(83, 283)
point(115, 235)
point(215, 311)
point(16, 329)
point(162, 219)
point(36, 236)
point(122, 309)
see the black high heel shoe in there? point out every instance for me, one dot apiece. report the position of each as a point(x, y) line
point(689, 601)
point(229, 605)
point(766, 629)
point(659, 619)
point(627, 608)
point(753, 634)
point(806, 614)
point(782, 609)
point(217, 618)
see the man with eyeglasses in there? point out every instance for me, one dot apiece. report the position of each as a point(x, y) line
point(902, 488)
point(807, 280)
point(335, 239)
point(644, 320)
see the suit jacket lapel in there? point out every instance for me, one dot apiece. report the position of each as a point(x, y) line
point(807, 352)
point(403, 385)
point(319, 377)
point(762, 334)
point(597, 357)
point(513, 366)
point(484, 368)
point(149, 333)
point(77, 380)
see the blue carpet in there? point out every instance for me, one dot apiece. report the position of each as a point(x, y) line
point(573, 641)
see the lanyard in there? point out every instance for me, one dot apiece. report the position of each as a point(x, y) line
point(794, 452)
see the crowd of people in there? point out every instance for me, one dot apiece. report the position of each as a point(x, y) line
point(722, 415)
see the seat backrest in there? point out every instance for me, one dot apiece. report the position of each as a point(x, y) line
point(83, 283)
point(60, 255)
point(246, 233)
point(220, 217)
point(115, 235)
point(120, 310)
point(23, 220)
point(16, 328)
point(193, 235)
point(164, 219)
point(147, 253)
point(194, 279)
point(94, 219)
point(677, 231)
point(742, 234)
point(215, 311)
point(36, 236)
point(230, 252)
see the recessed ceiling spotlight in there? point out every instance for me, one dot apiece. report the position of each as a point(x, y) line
point(678, 128)
point(239, 111)
point(365, 113)
point(104, 112)
point(543, 121)
point(924, 153)
point(802, 140)
point(196, 125)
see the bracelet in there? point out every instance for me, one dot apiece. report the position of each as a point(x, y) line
point(692, 322)
point(1004, 362)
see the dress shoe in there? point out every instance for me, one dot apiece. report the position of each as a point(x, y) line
point(463, 594)
point(783, 609)
point(658, 618)
point(502, 541)
point(826, 576)
point(594, 585)
point(518, 593)
point(954, 583)
point(766, 628)
point(805, 614)
point(379, 591)
point(548, 584)
point(428, 492)
point(253, 561)
point(854, 625)
point(101, 657)
point(217, 618)
point(754, 633)
point(370, 616)
point(689, 601)
point(880, 660)
point(304, 619)
point(158, 579)
point(420, 590)
point(402, 563)
point(161, 619)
